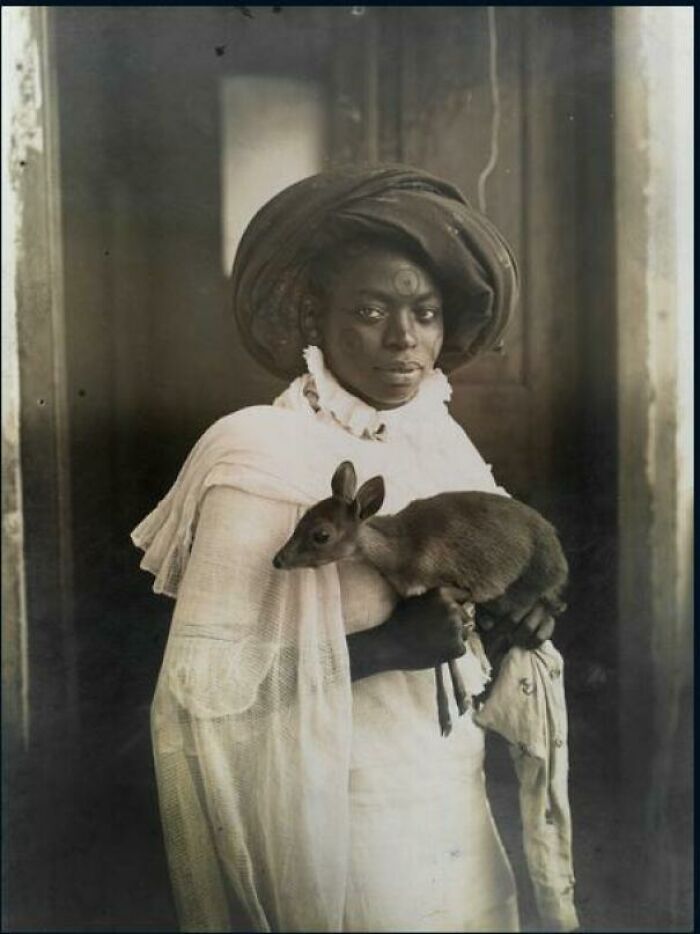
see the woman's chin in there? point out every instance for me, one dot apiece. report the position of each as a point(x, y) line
point(386, 390)
point(396, 389)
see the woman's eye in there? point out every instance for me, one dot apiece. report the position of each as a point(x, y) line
point(427, 314)
point(370, 313)
point(321, 536)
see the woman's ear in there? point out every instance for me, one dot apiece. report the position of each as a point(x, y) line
point(369, 498)
point(344, 483)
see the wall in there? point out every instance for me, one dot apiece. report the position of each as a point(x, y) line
point(15, 141)
point(653, 98)
point(40, 713)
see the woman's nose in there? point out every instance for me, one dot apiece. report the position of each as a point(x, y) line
point(400, 332)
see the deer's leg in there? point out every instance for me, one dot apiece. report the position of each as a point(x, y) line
point(443, 708)
point(460, 692)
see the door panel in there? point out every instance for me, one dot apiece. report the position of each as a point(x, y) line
point(434, 107)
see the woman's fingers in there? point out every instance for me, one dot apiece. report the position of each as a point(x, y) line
point(546, 629)
point(454, 630)
point(459, 621)
point(456, 651)
point(497, 634)
point(467, 613)
point(486, 622)
point(535, 628)
point(455, 594)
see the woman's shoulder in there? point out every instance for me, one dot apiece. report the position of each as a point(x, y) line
point(254, 421)
point(261, 428)
point(261, 449)
point(478, 474)
point(456, 433)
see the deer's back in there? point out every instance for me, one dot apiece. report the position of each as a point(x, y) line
point(486, 513)
point(479, 541)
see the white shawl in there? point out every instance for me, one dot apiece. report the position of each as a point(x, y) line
point(288, 720)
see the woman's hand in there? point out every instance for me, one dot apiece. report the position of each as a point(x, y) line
point(422, 632)
point(534, 629)
point(499, 635)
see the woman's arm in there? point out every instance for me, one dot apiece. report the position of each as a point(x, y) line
point(422, 632)
point(535, 628)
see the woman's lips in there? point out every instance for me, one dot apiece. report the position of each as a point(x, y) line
point(400, 367)
point(400, 374)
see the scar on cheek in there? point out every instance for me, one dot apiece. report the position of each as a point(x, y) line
point(351, 342)
point(406, 281)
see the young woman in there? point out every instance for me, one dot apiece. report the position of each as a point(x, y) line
point(300, 767)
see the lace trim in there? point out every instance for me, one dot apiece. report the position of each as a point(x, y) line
point(325, 393)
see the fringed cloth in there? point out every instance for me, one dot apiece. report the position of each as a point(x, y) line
point(527, 706)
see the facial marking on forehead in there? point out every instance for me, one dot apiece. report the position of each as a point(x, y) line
point(406, 280)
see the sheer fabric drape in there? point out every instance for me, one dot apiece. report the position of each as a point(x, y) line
point(323, 806)
point(252, 728)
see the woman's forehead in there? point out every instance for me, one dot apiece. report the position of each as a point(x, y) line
point(387, 268)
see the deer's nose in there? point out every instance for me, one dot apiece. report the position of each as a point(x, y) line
point(277, 561)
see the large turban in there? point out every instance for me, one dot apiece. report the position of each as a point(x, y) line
point(469, 258)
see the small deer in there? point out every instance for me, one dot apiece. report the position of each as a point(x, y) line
point(502, 553)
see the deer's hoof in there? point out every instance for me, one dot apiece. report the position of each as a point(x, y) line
point(445, 722)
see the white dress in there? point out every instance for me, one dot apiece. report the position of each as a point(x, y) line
point(324, 806)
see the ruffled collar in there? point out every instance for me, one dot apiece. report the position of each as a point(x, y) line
point(324, 393)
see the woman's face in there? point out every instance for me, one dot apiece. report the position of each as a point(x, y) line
point(381, 326)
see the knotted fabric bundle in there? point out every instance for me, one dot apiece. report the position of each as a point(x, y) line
point(470, 259)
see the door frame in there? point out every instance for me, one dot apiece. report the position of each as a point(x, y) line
point(655, 475)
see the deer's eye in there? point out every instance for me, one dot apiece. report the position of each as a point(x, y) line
point(321, 536)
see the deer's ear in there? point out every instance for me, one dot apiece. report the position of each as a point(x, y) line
point(344, 483)
point(369, 497)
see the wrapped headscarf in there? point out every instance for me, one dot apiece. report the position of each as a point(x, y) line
point(469, 258)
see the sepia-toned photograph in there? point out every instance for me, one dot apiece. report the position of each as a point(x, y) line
point(347, 469)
